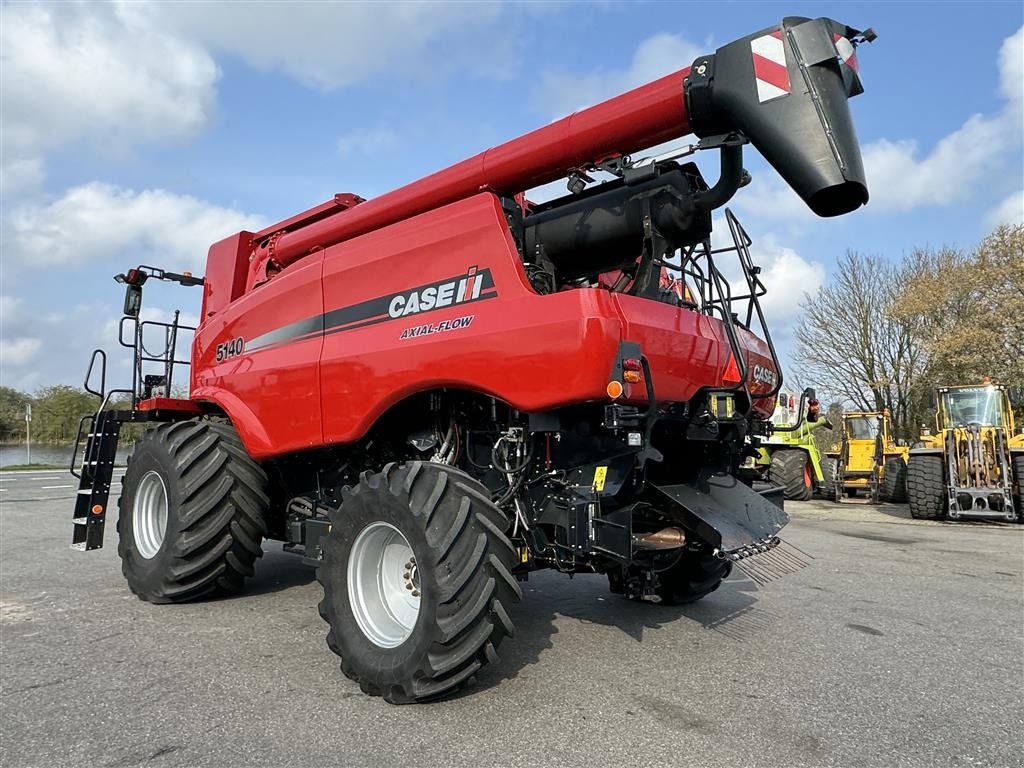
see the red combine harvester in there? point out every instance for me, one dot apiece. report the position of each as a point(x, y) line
point(430, 394)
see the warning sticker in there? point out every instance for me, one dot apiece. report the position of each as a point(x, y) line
point(599, 477)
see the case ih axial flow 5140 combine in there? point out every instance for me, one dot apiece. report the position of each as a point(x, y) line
point(430, 394)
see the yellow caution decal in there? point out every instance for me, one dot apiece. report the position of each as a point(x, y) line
point(599, 476)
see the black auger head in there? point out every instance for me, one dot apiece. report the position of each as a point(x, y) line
point(786, 89)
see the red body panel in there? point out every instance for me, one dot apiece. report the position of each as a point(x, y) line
point(316, 384)
point(273, 396)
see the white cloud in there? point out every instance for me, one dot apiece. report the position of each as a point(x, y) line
point(18, 342)
point(332, 45)
point(562, 92)
point(18, 351)
point(21, 174)
point(98, 222)
point(101, 73)
point(787, 277)
point(118, 75)
point(900, 177)
point(368, 141)
point(1010, 211)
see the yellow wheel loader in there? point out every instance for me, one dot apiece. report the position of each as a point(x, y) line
point(973, 465)
point(869, 463)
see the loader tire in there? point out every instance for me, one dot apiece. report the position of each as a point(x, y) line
point(693, 576)
point(417, 580)
point(1018, 476)
point(894, 484)
point(827, 487)
point(791, 469)
point(193, 512)
point(926, 487)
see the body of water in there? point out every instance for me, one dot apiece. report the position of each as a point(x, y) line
point(47, 454)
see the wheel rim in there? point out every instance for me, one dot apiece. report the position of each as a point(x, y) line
point(384, 585)
point(149, 514)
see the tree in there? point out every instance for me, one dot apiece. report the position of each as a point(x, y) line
point(851, 346)
point(12, 413)
point(969, 309)
point(57, 412)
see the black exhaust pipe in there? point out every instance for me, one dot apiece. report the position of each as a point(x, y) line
point(786, 89)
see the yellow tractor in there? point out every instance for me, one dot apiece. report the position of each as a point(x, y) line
point(973, 465)
point(869, 462)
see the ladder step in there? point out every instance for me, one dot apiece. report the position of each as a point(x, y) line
point(85, 491)
point(80, 521)
point(80, 546)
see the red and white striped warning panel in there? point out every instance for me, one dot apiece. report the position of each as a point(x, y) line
point(846, 52)
point(770, 73)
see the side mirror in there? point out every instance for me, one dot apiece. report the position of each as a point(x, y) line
point(1014, 394)
point(132, 300)
point(933, 400)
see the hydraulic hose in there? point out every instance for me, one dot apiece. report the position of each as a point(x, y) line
point(728, 182)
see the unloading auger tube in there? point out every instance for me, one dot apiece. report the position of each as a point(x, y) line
point(784, 88)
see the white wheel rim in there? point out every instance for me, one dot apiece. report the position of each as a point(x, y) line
point(149, 514)
point(383, 585)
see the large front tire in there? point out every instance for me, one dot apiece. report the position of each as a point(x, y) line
point(926, 487)
point(791, 468)
point(193, 510)
point(417, 579)
point(1017, 460)
point(894, 484)
point(829, 470)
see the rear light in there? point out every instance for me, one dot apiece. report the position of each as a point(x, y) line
point(632, 370)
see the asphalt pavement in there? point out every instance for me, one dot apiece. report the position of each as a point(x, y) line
point(902, 644)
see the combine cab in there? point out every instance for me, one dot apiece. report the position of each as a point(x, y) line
point(432, 394)
point(869, 463)
point(973, 466)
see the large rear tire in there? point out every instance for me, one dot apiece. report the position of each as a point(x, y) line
point(417, 579)
point(692, 577)
point(193, 512)
point(894, 484)
point(791, 469)
point(926, 488)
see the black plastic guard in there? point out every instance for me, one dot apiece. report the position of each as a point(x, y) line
point(726, 513)
point(806, 132)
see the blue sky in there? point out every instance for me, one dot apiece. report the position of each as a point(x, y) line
point(140, 133)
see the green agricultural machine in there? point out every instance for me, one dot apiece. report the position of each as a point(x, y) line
point(789, 457)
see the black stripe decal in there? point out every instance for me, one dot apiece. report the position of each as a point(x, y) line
point(363, 314)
